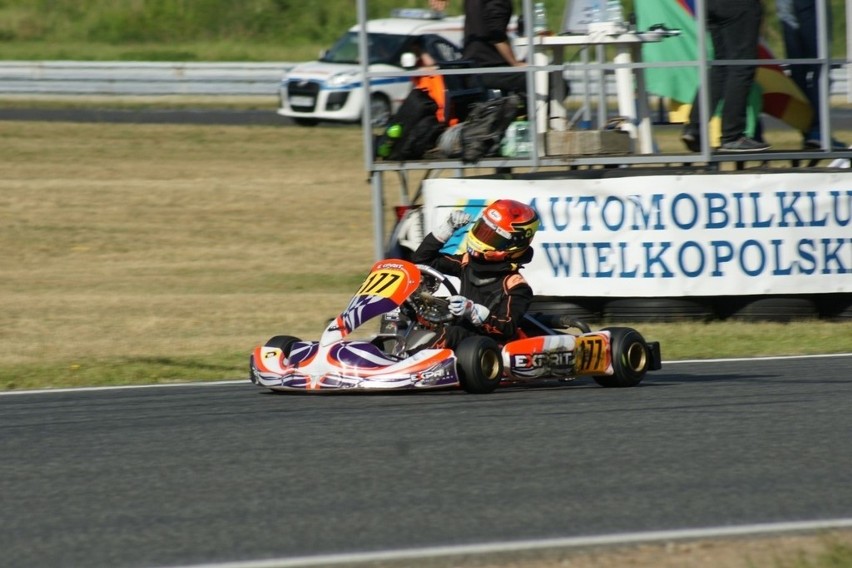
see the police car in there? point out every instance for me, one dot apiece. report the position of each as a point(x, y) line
point(331, 89)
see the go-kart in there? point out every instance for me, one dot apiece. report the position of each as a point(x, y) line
point(400, 357)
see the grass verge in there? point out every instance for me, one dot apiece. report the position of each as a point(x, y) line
point(151, 253)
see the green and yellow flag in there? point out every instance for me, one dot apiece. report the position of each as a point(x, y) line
point(774, 92)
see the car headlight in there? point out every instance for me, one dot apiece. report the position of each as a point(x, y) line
point(344, 78)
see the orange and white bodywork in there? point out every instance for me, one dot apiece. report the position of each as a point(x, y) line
point(558, 356)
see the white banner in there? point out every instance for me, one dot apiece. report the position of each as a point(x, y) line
point(676, 235)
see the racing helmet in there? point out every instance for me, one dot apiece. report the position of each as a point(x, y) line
point(504, 231)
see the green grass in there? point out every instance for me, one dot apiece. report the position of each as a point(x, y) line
point(219, 30)
point(834, 554)
point(152, 253)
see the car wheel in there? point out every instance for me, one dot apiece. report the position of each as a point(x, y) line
point(631, 358)
point(480, 364)
point(306, 121)
point(380, 110)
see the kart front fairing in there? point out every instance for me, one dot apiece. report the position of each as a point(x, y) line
point(336, 362)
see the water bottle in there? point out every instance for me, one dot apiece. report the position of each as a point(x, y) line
point(393, 132)
point(523, 144)
point(599, 11)
point(613, 11)
point(540, 19)
point(516, 142)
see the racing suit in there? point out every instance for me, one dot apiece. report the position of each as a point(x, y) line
point(496, 285)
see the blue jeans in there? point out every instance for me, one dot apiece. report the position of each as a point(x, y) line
point(801, 43)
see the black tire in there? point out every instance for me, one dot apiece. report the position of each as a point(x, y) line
point(631, 358)
point(835, 307)
point(480, 364)
point(583, 309)
point(282, 342)
point(642, 310)
point(380, 110)
point(306, 121)
point(778, 309)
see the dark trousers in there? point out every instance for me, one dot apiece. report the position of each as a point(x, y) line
point(512, 82)
point(734, 27)
point(801, 43)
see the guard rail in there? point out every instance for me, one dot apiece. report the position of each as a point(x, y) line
point(73, 78)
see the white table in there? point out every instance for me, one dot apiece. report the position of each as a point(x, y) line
point(630, 83)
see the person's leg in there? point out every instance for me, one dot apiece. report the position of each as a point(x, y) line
point(795, 47)
point(804, 44)
point(450, 336)
point(738, 23)
point(716, 81)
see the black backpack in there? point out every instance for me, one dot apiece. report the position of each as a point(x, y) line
point(483, 130)
point(412, 131)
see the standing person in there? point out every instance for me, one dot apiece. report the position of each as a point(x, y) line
point(799, 26)
point(734, 27)
point(439, 6)
point(487, 44)
point(493, 296)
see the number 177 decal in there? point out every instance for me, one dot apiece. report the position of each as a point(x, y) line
point(380, 283)
point(590, 355)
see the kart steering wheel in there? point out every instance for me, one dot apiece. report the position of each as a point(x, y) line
point(434, 309)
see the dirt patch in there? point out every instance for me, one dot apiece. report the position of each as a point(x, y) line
point(821, 550)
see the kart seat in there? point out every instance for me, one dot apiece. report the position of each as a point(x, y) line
point(533, 327)
point(394, 345)
point(419, 339)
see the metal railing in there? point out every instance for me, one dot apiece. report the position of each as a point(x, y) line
point(78, 78)
point(123, 78)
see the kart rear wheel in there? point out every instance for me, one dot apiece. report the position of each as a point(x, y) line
point(631, 358)
point(282, 342)
point(480, 364)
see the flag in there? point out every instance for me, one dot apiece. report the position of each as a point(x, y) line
point(773, 93)
point(782, 97)
point(676, 83)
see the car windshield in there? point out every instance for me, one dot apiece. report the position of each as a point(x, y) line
point(383, 48)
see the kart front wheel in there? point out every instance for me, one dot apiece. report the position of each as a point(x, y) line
point(631, 358)
point(480, 364)
point(283, 342)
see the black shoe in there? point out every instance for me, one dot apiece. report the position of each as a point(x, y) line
point(691, 139)
point(744, 144)
point(816, 144)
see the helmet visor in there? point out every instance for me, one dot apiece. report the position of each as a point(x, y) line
point(490, 235)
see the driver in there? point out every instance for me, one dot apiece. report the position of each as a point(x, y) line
point(493, 296)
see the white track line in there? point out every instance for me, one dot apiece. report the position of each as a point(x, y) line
point(768, 358)
point(246, 381)
point(126, 387)
point(528, 545)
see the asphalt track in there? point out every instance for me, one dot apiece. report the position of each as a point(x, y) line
point(841, 118)
point(215, 473)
